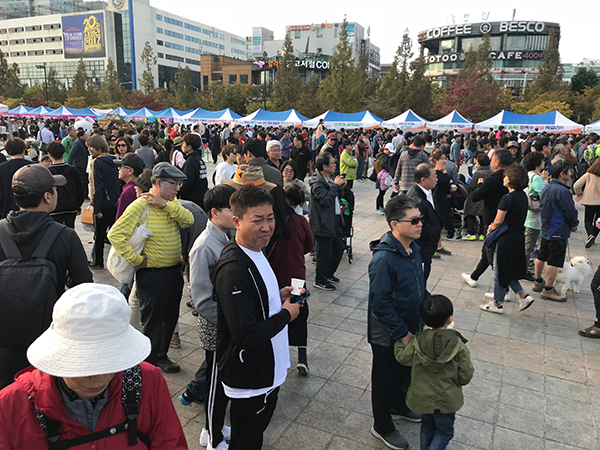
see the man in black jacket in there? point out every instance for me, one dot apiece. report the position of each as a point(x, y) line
point(16, 148)
point(325, 221)
point(252, 318)
point(425, 181)
point(196, 185)
point(254, 154)
point(490, 190)
point(70, 196)
point(36, 196)
point(78, 157)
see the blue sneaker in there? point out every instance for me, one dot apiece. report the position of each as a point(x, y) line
point(443, 251)
point(435, 256)
point(187, 399)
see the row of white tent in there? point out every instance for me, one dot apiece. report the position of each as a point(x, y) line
point(551, 122)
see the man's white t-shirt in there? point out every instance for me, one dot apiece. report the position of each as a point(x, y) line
point(279, 342)
point(224, 171)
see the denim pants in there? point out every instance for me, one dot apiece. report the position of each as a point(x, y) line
point(437, 430)
point(499, 291)
point(359, 169)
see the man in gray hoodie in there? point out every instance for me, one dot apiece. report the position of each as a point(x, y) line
point(205, 252)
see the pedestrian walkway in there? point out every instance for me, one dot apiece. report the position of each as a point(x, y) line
point(536, 380)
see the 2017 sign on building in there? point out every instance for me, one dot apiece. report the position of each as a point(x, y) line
point(83, 36)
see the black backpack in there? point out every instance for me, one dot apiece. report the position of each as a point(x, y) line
point(28, 289)
point(131, 394)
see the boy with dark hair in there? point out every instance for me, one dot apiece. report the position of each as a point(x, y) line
point(441, 364)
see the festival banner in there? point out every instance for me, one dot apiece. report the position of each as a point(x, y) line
point(83, 35)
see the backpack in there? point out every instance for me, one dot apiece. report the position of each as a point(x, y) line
point(131, 394)
point(28, 289)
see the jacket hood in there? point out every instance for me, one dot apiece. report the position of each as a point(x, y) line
point(23, 226)
point(434, 348)
point(412, 152)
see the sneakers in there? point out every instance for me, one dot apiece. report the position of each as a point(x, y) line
point(481, 237)
point(167, 365)
point(452, 238)
point(223, 445)
point(490, 307)
point(470, 281)
point(435, 256)
point(526, 302)
point(205, 436)
point(333, 279)
point(187, 399)
point(443, 251)
point(302, 367)
point(590, 241)
point(551, 294)
point(507, 297)
point(175, 341)
point(538, 286)
point(394, 440)
point(469, 237)
point(381, 212)
point(327, 286)
point(412, 416)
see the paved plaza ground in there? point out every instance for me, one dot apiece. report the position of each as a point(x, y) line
point(536, 380)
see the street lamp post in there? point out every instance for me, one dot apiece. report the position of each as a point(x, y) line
point(43, 66)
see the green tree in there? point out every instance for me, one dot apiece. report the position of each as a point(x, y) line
point(471, 58)
point(14, 87)
point(81, 81)
point(185, 97)
point(4, 74)
point(419, 93)
point(550, 73)
point(287, 85)
point(483, 53)
point(403, 56)
point(148, 61)
point(584, 78)
point(111, 90)
point(308, 103)
point(56, 89)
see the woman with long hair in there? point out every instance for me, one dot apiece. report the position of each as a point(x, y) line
point(587, 191)
point(122, 147)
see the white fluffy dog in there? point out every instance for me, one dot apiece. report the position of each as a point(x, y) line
point(573, 273)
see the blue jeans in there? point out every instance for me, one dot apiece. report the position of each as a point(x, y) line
point(197, 387)
point(437, 430)
point(499, 291)
point(359, 169)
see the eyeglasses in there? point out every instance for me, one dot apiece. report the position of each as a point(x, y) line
point(413, 221)
point(177, 184)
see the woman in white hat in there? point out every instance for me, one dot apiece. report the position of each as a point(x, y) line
point(87, 373)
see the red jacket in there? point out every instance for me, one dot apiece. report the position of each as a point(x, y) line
point(20, 429)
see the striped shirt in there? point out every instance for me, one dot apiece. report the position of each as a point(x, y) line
point(163, 248)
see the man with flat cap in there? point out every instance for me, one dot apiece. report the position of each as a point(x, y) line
point(23, 233)
point(158, 278)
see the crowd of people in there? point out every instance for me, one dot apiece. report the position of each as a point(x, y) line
point(278, 195)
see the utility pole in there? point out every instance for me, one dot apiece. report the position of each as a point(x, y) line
point(43, 66)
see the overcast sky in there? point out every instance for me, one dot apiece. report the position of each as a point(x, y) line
point(388, 19)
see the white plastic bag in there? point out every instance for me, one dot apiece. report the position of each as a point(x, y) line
point(121, 269)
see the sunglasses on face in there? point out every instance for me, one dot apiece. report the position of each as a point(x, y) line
point(413, 221)
point(121, 145)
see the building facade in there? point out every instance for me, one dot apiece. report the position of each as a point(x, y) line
point(517, 49)
point(568, 69)
point(33, 34)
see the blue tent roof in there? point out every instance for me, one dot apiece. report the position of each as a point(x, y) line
point(19, 110)
point(552, 121)
point(261, 116)
point(123, 112)
point(334, 119)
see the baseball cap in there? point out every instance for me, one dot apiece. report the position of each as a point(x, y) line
point(331, 136)
point(131, 160)
point(512, 144)
point(34, 179)
point(177, 141)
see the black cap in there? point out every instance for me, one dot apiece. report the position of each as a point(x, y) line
point(131, 160)
point(34, 179)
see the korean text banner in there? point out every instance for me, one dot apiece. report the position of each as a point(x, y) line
point(83, 35)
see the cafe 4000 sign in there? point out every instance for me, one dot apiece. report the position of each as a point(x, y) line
point(496, 56)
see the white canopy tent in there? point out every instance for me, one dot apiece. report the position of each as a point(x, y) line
point(408, 120)
point(453, 121)
point(550, 122)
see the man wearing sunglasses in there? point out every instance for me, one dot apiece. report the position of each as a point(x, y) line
point(396, 289)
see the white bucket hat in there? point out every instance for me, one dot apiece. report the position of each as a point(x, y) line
point(89, 335)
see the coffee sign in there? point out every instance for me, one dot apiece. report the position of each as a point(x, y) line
point(468, 29)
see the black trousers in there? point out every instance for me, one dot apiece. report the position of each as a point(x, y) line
point(12, 361)
point(380, 197)
point(592, 213)
point(329, 256)
point(389, 381)
point(298, 328)
point(482, 265)
point(67, 219)
point(159, 292)
point(596, 294)
point(215, 401)
point(84, 181)
point(101, 226)
point(249, 420)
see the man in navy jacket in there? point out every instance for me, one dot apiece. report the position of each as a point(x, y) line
point(559, 218)
point(396, 289)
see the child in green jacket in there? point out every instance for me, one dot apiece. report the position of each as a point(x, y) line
point(441, 364)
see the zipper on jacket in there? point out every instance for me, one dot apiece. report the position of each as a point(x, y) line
point(259, 294)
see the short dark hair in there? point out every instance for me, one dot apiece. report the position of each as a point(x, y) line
point(559, 167)
point(31, 200)
point(503, 142)
point(218, 198)
point(193, 140)
point(435, 310)
point(56, 150)
point(483, 159)
point(423, 170)
point(290, 163)
point(541, 142)
point(15, 146)
point(249, 196)
point(143, 139)
point(517, 176)
point(255, 147)
point(396, 208)
point(445, 149)
point(503, 156)
point(418, 141)
point(295, 195)
point(323, 159)
point(532, 160)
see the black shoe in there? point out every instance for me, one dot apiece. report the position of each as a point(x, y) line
point(327, 286)
point(394, 440)
point(189, 304)
point(590, 241)
point(302, 367)
point(410, 416)
point(194, 313)
point(333, 279)
point(187, 399)
point(95, 266)
point(167, 365)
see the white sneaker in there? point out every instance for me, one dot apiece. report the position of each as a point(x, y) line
point(220, 446)
point(507, 297)
point(490, 307)
point(205, 436)
point(470, 281)
point(525, 302)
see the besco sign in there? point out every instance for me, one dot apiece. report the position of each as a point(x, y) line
point(529, 27)
point(467, 29)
